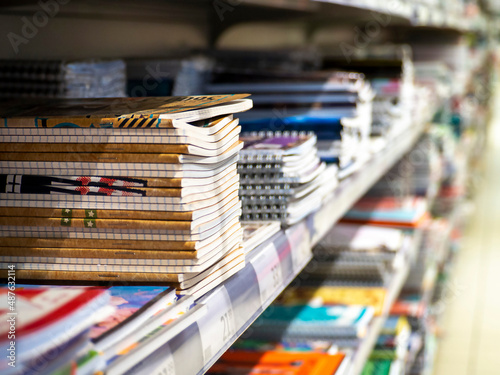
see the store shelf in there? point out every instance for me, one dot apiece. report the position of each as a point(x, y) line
point(440, 252)
point(362, 354)
point(418, 14)
point(399, 279)
point(396, 8)
point(302, 5)
point(234, 305)
point(412, 13)
point(147, 10)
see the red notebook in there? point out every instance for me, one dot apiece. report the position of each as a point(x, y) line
point(40, 319)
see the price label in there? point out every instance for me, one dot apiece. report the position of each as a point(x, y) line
point(267, 266)
point(218, 326)
point(298, 237)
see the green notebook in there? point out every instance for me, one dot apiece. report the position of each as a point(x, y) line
point(377, 367)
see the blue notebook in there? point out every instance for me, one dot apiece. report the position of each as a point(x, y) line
point(305, 321)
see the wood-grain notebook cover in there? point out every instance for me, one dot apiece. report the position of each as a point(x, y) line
point(114, 248)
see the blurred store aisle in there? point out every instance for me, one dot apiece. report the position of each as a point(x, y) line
point(471, 322)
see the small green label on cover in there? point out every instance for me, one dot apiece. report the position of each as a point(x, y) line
point(89, 223)
point(67, 212)
point(91, 214)
point(66, 222)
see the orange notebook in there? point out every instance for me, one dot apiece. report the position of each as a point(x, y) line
point(271, 362)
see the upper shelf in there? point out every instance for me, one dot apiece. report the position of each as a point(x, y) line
point(226, 12)
point(110, 29)
point(398, 12)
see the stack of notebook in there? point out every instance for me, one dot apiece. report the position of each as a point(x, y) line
point(136, 190)
point(353, 254)
point(256, 233)
point(389, 69)
point(313, 321)
point(282, 177)
point(61, 79)
point(90, 331)
point(146, 318)
point(230, 64)
point(176, 75)
point(336, 106)
point(417, 173)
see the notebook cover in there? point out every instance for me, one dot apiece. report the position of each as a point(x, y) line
point(105, 112)
point(374, 297)
point(273, 362)
point(43, 308)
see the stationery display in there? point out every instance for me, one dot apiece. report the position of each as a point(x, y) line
point(137, 190)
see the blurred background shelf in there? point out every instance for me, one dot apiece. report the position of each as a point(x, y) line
point(234, 306)
point(367, 345)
